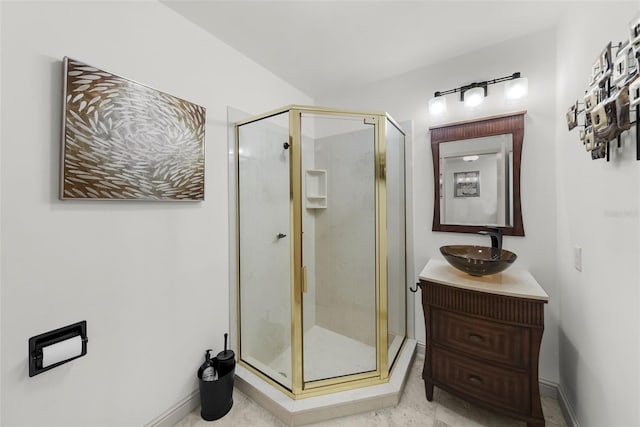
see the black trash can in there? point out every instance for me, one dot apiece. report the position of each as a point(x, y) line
point(216, 397)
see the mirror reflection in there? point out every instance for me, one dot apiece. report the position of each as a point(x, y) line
point(476, 171)
point(476, 181)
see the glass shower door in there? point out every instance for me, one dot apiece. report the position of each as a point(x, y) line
point(338, 246)
point(396, 241)
point(264, 218)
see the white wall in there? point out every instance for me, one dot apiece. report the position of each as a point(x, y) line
point(149, 278)
point(406, 97)
point(598, 204)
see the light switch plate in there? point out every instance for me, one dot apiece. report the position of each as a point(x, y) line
point(577, 257)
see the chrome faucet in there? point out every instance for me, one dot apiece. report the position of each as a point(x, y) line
point(496, 237)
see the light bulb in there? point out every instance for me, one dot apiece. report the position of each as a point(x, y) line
point(516, 89)
point(437, 105)
point(474, 97)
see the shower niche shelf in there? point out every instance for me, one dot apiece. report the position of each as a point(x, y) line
point(316, 188)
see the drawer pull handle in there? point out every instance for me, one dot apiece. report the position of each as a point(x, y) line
point(474, 379)
point(475, 338)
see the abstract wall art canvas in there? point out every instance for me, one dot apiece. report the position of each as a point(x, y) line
point(122, 140)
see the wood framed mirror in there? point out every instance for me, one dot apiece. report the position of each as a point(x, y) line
point(476, 171)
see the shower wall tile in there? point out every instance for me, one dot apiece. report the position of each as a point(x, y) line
point(345, 236)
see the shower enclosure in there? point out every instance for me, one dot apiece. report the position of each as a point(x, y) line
point(320, 247)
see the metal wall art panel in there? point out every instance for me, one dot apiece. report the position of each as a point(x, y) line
point(122, 140)
point(611, 97)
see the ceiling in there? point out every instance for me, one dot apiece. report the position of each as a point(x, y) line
point(322, 47)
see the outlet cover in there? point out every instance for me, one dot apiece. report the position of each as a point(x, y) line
point(577, 257)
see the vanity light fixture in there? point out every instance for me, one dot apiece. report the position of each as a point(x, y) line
point(473, 94)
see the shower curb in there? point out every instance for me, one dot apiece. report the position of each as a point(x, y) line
point(321, 408)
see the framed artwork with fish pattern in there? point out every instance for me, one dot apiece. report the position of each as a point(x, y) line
point(122, 140)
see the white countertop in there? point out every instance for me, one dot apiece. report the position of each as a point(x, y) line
point(511, 282)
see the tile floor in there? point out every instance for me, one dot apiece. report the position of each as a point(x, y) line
point(413, 410)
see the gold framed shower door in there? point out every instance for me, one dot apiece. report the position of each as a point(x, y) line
point(299, 388)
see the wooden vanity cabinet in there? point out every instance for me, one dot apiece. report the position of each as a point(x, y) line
point(484, 348)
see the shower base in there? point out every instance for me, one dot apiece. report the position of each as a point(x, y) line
point(315, 409)
point(322, 348)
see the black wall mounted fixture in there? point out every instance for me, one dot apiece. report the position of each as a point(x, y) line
point(483, 85)
point(38, 342)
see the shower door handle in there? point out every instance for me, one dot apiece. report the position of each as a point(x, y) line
point(304, 279)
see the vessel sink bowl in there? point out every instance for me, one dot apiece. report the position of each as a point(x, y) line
point(478, 260)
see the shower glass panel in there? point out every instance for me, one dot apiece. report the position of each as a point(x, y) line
point(338, 246)
point(396, 259)
point(264, 236)
point(320, 248)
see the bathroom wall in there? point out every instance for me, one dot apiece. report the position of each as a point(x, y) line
point(149, 278)
point(406, 97)
point(598, 204)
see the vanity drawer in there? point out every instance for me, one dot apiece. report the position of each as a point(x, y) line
point(498, 387)
point(501, 343)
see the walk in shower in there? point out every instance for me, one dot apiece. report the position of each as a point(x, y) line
point(320, 247)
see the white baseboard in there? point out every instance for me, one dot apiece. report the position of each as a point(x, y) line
point(567, 409)
point(177, 412)
point(548, 388)
point(551, 389)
